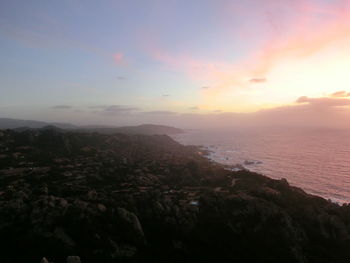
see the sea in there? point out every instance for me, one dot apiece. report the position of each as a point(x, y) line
point(315, 159)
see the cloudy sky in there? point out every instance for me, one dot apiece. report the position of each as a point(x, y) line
point(179, 62)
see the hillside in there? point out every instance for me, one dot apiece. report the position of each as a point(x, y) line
point(7, 123)
point(141, 198)
point(146, 129)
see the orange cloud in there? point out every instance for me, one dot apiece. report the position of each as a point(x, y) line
point(324, 101)
point(258, 80)
point(314, 28)
point(342, 93)
point(300, 29)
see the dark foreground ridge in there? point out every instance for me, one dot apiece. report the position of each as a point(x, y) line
point(138, 198)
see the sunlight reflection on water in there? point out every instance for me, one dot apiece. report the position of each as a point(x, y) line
point(315, 160)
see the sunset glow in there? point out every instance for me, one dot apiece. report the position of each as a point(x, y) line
point(227, 57)
point(175, 131)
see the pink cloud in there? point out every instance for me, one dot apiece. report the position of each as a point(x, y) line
point(288, 30)
point(300, 28)
point(258, 80)
point(119, 58)
point(324, 101)
point(342, 93)
point(220, 74)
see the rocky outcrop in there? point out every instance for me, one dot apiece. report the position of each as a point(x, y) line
point(44, 260)
point(120, 198)
point(73, 259)
point(132, 226)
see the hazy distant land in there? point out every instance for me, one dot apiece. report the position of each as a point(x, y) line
point(147, 129)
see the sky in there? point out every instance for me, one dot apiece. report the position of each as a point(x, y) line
point(188, 63)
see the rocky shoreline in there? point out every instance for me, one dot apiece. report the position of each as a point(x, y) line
point(138, 198)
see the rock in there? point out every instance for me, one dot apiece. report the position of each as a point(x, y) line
point(102, 208)
point(73, 259)
point(131, 224)
point(241, 217)
point(92, 194)
point(64, 237)
point(63, 202)
point(284, 182)
point(44, 260)
point(44, 189)
point(81, 204)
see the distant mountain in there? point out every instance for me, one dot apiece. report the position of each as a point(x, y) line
point(145, 129)
point(7, 123)
point(45, 128)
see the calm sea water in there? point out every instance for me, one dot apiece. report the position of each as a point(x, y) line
point(317, 160)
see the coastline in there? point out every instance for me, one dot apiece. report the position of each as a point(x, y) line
point(304, 174)
point(141, 198)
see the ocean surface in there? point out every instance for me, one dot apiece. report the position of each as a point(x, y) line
point(317, 160)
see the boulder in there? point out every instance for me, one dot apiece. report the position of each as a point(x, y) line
point(44, 260)
point(73, 259)
point(101, 207)
point(61, 234)
point(131, 224)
